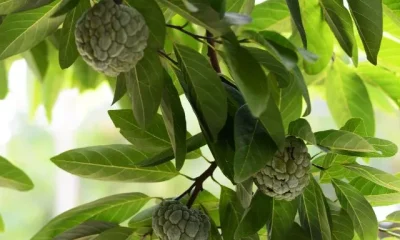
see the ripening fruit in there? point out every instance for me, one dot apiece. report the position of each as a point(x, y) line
point(286, 176)
point(111, 37)
point(174, 221)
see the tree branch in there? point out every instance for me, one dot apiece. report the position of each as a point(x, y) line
point(212, 54)
point(195, 36)
point(162, 53)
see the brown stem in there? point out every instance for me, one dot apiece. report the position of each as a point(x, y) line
point(212, 54)
point(162, 53)
point(195, 36)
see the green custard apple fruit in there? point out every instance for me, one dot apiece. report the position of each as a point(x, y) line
point(286, 176)
point(174, 221)
point(111, 37)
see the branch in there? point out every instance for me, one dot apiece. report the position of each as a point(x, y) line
point(162, 53)
point(197, 186)
point(195, 36)
point(212, 54)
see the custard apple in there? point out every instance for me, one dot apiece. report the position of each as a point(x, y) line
point(286, 176)
point(174, 221)
point(111, 37)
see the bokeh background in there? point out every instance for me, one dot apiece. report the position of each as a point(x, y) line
point(79, 119)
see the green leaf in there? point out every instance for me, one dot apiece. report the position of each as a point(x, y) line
point(280, 221)
point(301, 84)
point(342, 226)
point(174, 119)
point(278, 19)
point(392, 9)
point(302, 129)
point(349, 95)
point(3, 80)
point(384, 147)
point(22, 31)
point(254, 146)
point(272, 121)
point(205, 15)
point(118, 233)
point(341, 24)
point(338, 172)
point(1, 225)
point(244, 191)
point(204, 88)
point(312, 211)
point(296, 232)
point(294, 8)
point(144, 85)
point(384, 199)
point(37, 59)
point(143, 218)
point(85, 229)
point(319, 36)
point(112, 163)
point(214, 233)
point(7, 6)
point(355, 125)
point(370, 28)
point(339, 141)
point(84, 77)
point(155, 21)
point(65, 7)
point(13, 177)
point(68, 51)
point(206, 200)
point(381, 78)
point(393, 217)
point(358, 208)
point(114, 209)
point(120, 88)
point(230, 212)
point(255, 217)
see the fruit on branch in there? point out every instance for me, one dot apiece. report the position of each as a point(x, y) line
point(286, 176)
point(174, 221)
point(111, 37)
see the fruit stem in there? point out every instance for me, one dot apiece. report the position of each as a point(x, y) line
point(212, 54)
point(118, 2)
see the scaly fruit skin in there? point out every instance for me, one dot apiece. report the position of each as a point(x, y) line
point(286, 176)
point(111, 37)
point(174, 221)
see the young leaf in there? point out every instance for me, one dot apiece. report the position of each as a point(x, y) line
point(114, 209)
point(174, 119)
point(358, 208)
point(144, 85)
point(312, 211)
point(118, 233)
point(350, 93)
point(37, 59)
point(68, 51)
point(205, 89)
point(255, 217)
point(254, 146)
point(120, 88)
point(86, 229)
point(280, 19)
point(33, 27)
point(294, 9)
point(370, 28)
point(302, 129)
point(342, 226)
point(393, 217)
point(280, 221)
point(155, 21)
point(230, 212)
point(3, 80)
point(244, 191)
point(341, 24)
point(343, 141)
point(112, 163)
point(13, 177)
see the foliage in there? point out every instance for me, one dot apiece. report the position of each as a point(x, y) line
point(245, 69)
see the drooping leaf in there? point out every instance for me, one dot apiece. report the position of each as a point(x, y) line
point(358, 208)
point(204, 15)
point(313, 211)
point(342, 226)
point(114, 209)
point(120, 88)
point(244, 191)
point(255, 217)
point(13, 177)
point(254, 146)
point(145, 86)
point(341, 24)
point(294, 8)
point(155, 21)
point(278, 18)
point(3, 81)
point(343, 141)
point(37, 60)
point(280, 221)
point(68, 51)
point(348, 95)
point(86, 229)
point(112, 163)
point(33, 27)
point(230, 212)
point(204, 89)
point(302, 129)
point(319, 36)
point(370, 28)
point(118, 233)
point(301, 84)
point(174, 119)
